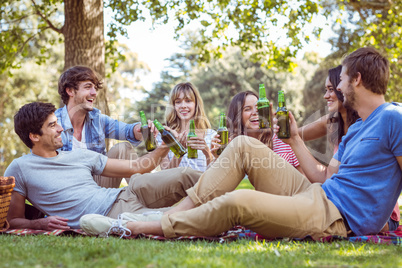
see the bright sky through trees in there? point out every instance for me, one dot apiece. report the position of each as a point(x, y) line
point(154, 45)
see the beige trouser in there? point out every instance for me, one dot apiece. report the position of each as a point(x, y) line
point(285, 203)
point(157, 190)
point(122, 150)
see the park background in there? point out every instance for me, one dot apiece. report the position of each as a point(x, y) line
point(223, 47)
point(144, 48)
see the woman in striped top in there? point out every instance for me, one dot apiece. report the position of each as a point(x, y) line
point(242, 119)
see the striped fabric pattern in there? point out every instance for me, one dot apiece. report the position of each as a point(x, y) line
point(285, 151)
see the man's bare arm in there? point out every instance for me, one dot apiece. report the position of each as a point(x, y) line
point(17, 220)
point(314, 171)
point(126, 168)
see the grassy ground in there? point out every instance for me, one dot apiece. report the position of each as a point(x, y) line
point(61, 251)
point(56, 251)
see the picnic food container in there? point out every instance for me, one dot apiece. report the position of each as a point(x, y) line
point(6, 187)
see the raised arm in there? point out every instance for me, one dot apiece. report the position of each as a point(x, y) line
point(314, 130)
point(314, 171)
point(17, 220)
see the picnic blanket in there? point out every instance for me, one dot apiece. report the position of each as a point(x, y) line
point(236, 233)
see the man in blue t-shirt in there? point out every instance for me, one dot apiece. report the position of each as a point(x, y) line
point(360, 186)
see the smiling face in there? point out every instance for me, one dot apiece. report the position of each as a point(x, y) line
point(184, 107)
point(333, 103)
point(50, 140)
point(249, 113)
point(84, 96)
point(347, 90)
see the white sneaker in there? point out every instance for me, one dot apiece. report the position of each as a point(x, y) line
point(95, 224)
point(146, 216)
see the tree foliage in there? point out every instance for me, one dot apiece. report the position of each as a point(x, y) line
point(219, 80)
point(23, 33)
point(251, 20)
point(376, 23)
point(27, 84)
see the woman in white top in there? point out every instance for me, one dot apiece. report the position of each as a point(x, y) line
point(185, 103)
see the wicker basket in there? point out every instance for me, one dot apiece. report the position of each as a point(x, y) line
point(6, 187)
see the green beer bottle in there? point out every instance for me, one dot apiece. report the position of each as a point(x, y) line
point(175, 146)
point(264, 111)
point(147, 135)
point(223, 134)
point(282, 114)
point(192, 153)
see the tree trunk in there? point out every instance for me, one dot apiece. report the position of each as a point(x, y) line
point(84, 40)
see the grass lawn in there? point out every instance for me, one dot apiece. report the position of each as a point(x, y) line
point(55, 251)
point(62, 251)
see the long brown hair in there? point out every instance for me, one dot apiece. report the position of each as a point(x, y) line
point(335, 121)
point(200, 119)
point(234, 119)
